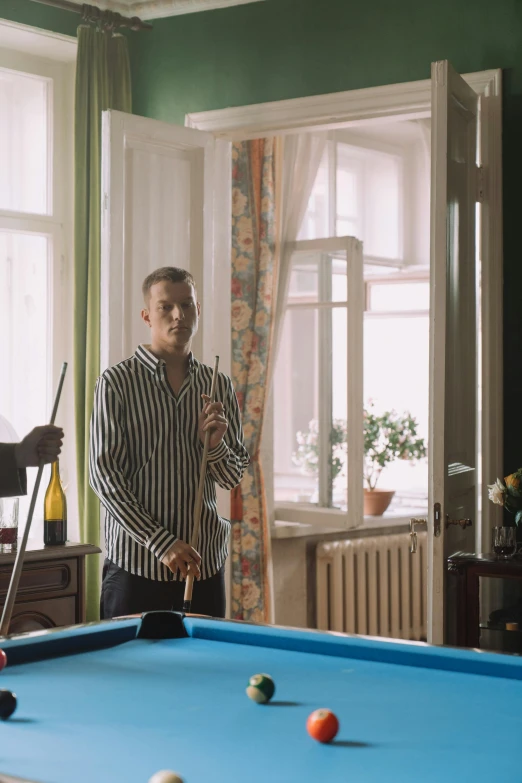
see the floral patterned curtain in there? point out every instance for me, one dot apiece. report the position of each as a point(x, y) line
point(254, 277)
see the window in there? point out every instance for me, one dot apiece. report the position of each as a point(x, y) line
point(35, 235)
point(396, 370)
point(316, 450)
point(359, 192)
point(25, 162)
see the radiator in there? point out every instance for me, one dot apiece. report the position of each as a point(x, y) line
point(373, 586)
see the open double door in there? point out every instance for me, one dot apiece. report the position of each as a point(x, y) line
point(166, 200)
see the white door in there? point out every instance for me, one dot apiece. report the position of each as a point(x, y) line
point(165, 201)
point(453, 482)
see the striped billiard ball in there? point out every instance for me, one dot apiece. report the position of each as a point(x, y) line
point(261, 688)
point(165, 776)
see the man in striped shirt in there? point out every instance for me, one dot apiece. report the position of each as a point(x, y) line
point(148, 426)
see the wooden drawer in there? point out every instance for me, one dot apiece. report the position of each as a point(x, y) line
point(37, 615)
point(42, 579)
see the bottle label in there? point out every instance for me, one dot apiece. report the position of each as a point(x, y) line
point(55, 531)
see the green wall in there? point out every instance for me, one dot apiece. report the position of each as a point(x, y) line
point(289, 48)
point(281, 49)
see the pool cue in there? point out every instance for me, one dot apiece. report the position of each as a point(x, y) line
point(17, 570)
point(199, 497)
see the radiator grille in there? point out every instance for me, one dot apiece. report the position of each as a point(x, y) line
point(373, 586)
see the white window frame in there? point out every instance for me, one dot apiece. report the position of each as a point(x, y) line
point(404, 172)
point(350, 249)
point(407, 100)
point(283, 510)
point(421, 275)
point(54, 60)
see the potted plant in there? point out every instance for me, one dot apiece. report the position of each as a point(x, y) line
point(387, 437)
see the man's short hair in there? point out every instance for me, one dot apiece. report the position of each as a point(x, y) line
point(172, 274)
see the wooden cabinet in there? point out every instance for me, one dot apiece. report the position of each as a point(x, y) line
point(51, 592)
point(476, 628)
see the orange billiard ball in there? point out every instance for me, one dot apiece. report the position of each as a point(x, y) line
point(3, 660)
point(322, 725)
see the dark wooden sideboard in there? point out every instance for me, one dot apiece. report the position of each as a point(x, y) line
point(51, 592)
point(467, 570)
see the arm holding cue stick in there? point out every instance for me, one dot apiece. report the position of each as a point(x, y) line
point(17, 570)
point(199, 497)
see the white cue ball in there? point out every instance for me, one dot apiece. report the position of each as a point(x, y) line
point(165, 776)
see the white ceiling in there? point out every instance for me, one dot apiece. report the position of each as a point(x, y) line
point(153, 9)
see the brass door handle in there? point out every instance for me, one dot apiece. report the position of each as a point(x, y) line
point(462, 522)
point(413, 535)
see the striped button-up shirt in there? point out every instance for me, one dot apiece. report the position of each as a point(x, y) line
point(145, 462)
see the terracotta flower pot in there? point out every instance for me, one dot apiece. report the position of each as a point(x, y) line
point(376, 501)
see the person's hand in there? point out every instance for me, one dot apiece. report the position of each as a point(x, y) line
point(212, 418)
point(42, 443)
point(182, 556)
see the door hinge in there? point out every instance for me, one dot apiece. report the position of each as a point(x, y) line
point(480, 184)
point(105, 201)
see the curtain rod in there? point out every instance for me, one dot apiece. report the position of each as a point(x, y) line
point(90, 13)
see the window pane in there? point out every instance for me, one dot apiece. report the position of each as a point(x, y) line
point(24, 342)
point(339, 285)
point(393, 381)
point(347, 228)
point(296, 409)
point(315, 221)
point(24, 158)
point(317, 277)
point(382, 194)
point(304, 279)
point(299, 396)
point(399, 296)
point(347, 202)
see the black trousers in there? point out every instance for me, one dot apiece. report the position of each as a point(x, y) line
point(124, 593)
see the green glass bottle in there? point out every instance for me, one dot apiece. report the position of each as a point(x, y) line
point(55, 510)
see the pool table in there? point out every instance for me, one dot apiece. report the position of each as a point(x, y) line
point(121, 699)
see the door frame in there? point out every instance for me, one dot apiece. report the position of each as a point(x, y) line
point(411, 100)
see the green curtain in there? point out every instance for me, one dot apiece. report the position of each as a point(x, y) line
point(102, 82)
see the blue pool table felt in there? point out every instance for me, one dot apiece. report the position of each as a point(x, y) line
point(124, 712)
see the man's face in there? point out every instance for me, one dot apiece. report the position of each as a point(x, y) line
point(172, 313)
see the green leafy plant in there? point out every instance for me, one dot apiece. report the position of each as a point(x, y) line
point(387, 437)
point(307, 455)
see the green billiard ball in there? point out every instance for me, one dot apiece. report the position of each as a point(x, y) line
point(261, 688)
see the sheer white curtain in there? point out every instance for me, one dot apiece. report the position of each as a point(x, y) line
point(302, 154)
